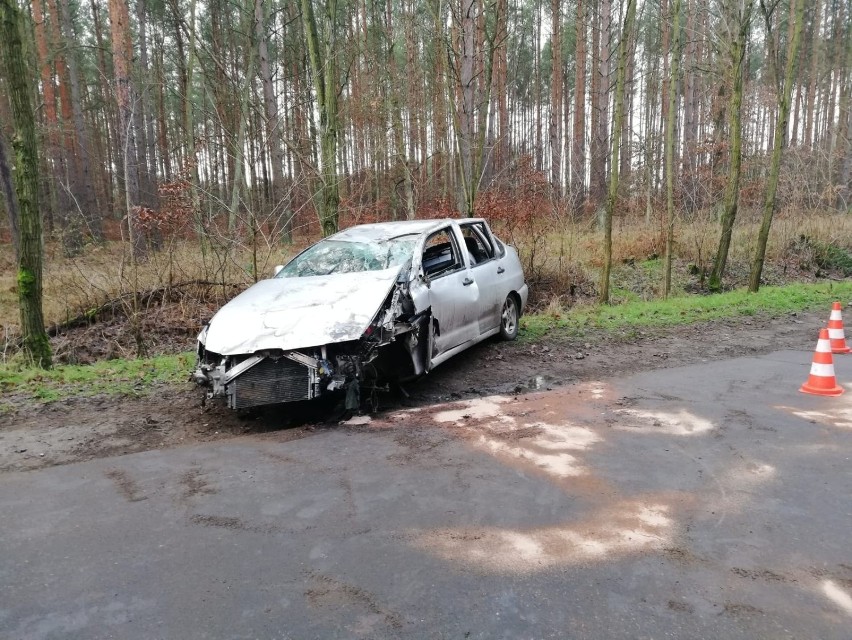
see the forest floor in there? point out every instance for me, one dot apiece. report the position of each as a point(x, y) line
point(36, 434)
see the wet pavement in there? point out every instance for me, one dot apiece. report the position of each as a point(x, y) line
point(704, 501)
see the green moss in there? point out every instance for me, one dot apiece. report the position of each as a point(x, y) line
point(26, 281)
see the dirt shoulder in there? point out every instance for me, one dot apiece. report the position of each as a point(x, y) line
point(36, 435)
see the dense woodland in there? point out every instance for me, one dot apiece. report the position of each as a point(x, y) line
point(271, 118)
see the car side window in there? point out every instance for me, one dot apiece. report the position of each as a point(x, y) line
point(441, 254)
point(477, 243)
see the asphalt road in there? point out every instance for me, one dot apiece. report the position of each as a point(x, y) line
point(709, 501)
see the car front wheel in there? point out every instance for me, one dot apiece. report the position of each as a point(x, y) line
point(509, 319)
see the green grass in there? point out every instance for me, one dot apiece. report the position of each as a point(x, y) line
point(109, 378)
point(140, 377)
point(634, 314)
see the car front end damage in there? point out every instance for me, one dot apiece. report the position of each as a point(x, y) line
point(395, 345)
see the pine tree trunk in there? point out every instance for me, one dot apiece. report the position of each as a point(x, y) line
point(121, 56)
point(784, 96)
point(815, 52)
point(48, 88)
point(281, 206)
point(671, 121)
point(147, 141)
point(602, 132)
point(578, 152)
point(556, 99)
point(84, 192)
point(732, 190)
point(322, 57)
point(612, 196)
point(29, 277)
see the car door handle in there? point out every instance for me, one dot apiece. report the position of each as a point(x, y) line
point(467, 281)
point(500, 270)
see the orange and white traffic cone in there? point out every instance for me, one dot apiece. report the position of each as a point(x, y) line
point(822, 382)
point(835, 331)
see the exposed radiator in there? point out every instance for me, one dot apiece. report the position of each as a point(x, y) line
point(271, 382)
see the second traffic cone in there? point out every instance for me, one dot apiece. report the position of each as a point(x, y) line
point(822, 382)
point(835, 331)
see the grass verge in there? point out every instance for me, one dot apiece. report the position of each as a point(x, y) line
point(139, 377)
point(635, 314)
point(109, 378)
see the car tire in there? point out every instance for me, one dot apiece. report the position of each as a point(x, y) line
point(509, 317)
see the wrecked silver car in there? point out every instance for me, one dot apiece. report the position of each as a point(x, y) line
point(370, 304)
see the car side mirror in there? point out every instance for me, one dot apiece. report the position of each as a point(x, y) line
point(277, 270)
point(424, 277)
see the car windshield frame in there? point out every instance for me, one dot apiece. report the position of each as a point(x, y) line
point(339, 255)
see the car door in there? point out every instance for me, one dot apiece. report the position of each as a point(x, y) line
point(452, 291)
point(486, 270)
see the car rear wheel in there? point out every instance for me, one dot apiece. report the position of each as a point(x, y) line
point(509, 319)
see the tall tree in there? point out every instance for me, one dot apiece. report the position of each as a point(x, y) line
point(84, 191)
point(671, 120)
point(29, 276)
point(121, 59)
point(601, 133)
point(578, 150)
point(784, 93)
point(736, 24)
point(612, 195)
point(471, 57)
point(556, 97)
point(321, 40)
point(282, 209)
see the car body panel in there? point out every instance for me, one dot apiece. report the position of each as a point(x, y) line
point(293, 313)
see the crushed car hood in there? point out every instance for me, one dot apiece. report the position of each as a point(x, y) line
point(294, 313)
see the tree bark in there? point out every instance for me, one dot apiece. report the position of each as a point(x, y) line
point(323, 61)
point(784, 93)
point(671, 122)
point(578, 152)
point(732, 190)
point(29, 276)
point(602, 124)
point(121, 58)
point(11, 199)
point(612, 196)
point(556, 98)
point(144, 114)
point(51, 123)
point(281, 206)
point(816, 51)
point(85, 193)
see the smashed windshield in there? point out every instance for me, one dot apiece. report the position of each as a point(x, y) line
point(341, 256)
